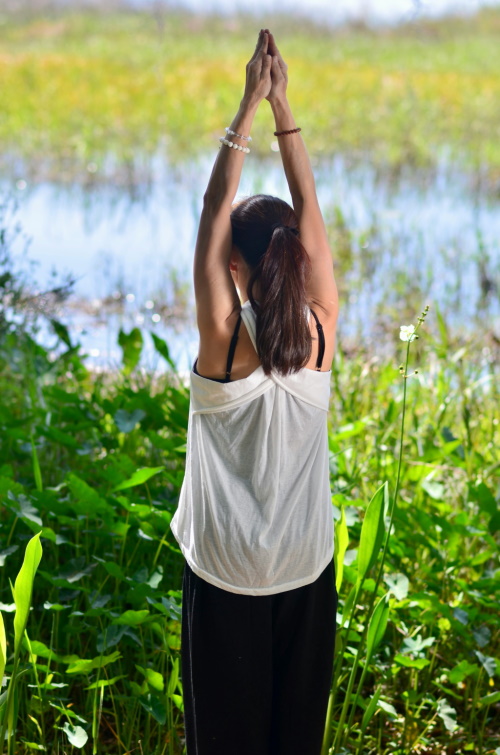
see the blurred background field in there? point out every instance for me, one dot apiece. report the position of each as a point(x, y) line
point(109, 123)
point(109, 119)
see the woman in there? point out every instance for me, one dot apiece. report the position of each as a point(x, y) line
point(254, 520)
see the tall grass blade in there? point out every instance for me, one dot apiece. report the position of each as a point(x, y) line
point(23, 587)
point(368, 714)
point(377, 626)
point(37, 472)
point(3, 649)
point(372, 533)
point(22, 591)
point(340, 546)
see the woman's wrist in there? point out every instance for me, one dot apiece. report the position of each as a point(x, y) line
point(242, 122)
point(283, 116)
point(249, 105)
point(279, 103)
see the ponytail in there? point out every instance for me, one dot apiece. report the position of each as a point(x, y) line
point(268, 225)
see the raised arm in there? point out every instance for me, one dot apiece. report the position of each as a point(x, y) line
point(216, 295)
point(322, 288)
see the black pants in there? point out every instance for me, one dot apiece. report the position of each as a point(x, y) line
point(257, 670)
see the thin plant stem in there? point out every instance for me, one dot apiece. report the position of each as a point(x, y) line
point(340, 734)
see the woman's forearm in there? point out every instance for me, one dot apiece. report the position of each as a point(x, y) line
point(226, 173)
point(294, 155)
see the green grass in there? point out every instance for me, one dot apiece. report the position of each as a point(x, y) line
point(101, 481)
point(78, 86)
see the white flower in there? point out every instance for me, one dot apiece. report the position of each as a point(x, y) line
point(406, 332)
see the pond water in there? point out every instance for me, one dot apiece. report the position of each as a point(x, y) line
point(324, 11)
point(399, 242)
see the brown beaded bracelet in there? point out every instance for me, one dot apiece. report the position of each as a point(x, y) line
point(284, 133)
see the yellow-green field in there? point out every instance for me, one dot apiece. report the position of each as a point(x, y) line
point(78, 86)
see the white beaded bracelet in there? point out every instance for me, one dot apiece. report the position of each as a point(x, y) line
point(240, 136)
point(233, 145)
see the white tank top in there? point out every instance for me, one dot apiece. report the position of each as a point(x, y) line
point(255, 515)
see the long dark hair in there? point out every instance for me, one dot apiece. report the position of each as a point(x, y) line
point(265, 231)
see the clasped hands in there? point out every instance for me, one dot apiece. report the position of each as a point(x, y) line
point(266, 72)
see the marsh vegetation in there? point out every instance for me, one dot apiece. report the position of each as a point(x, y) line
point(94, 459)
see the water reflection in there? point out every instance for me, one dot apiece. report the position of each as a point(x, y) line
point(399, 241)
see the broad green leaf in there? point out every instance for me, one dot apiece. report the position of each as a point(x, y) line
point(494, 523)
point(388, 708)
point(155, 706)
point(23, 587)
point(372, 532)
point(447, 714)
point(341, 541)
point(449, 448)
point(139, 509)
point(493, 697)
point(142, 532)
point(67, 712)
point(370, 709)
point(27, 511)
point(58, 436)
point(459, 672)
point(114, 569)
point(461, 616)
point(131, 344)
point(416, 645)
point(169, 608)
point(127, 421)
point(40, 649)
point(86, 500)
point(33, 745)
point(350, 430)
point(82, 666)
point(106, 682)
point(484, 497)
point(487, 662)
point(141, 475)
point(132, 618)
point(153, 678)
point(48, 684)
point(480, 558)
point(162, 348)
point(72, 571)
point(6, 552)
point(179, 702)
point(418, 663)
point(377, 625)
point(77, 736)
point(482, 635)
point(110, 635)
point(61, 331)
point(397, 584)
point(433, 489)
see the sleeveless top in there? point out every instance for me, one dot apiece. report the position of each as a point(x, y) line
point(255, 514)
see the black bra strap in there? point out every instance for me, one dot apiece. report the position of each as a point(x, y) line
point(232, 348)
point(321, 337)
